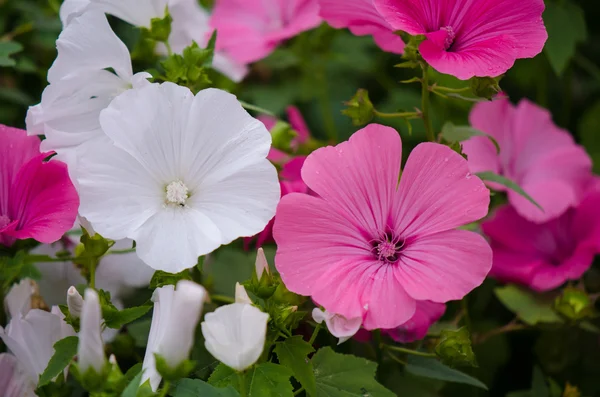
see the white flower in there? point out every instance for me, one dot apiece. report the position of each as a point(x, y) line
point(174, 320)
point(90, 352)
point(31, 339)
point(235, 334)
point(81, 86)
point(261, 265)
point(241, 296)
point(183, 174)
point(74, 302)
point(14, 381)
point(339, 326)
point(18, 299)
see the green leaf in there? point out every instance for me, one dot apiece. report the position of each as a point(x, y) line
point(139, 331)
point(539, 388)
point(455, 133)
point(432, 368)
point(269, 380)
point(197, 387)
point(343, 375)
point(293, 353)
point(529, 307)
point(133, 386)
point(223, 376)
point(492, 177)
point(588, 132)
point(160, 278)
point(64, 351)
point(114, 318)
point(8, 48)
point(565, 23)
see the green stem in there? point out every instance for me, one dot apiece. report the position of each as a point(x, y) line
point(425, 105)
point(510, 327)
point(118, 252)
point(409, 351)
point(378, 346)
point(169, 50)
point(165, 390)
point(93, 274)
point(254, 108)
point(315, 333)
point(222, 299)
point(300, 390)
point(465, 306)
point(449, 89)
point(396, 115)
point(242, 378)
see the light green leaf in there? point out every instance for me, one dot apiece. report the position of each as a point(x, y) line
point(197, 387)
point(432, 368)
point(133, 386)
point(64, 351)
point(456, 133)
point(566, 27)
point(492, 177)
point(344, 375)
point(293, 353)
point(269, 380)
point(529, 307)
point(7, 48)
point(160, 278)
point(223, 376)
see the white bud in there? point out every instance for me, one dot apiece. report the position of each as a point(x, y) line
point(235, 334)
point(74, 302)
point(90, 352)
point(261, 263)
point(174, 320)
point(339, 326)
point(241, 296)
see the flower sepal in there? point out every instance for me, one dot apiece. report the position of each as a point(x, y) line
point(454, 348)
point(91, 380)
point(574, 304)
point(160, 28)
point(283, 135)
point(360, 108)
point(486, 87)
point(58, 388)
point(170, 374)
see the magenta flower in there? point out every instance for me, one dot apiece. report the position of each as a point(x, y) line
point(473, 38)
point(362, 18)
point(37, 198)
point(416, 328)
point(249, 30)
point(539, 156)
point(369, 247)
point(297, 123)
point(544, 256)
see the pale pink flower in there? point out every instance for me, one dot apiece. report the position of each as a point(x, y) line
point(536, 154)
point(544, 256)
point(37, 198)
point(426, 314)
point(362, 18)
point(470, 38)
point(370, 247)
point(339, 326)
point(14, 381)
point(249, 30)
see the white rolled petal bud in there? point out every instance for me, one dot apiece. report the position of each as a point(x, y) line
point(91, 348)
point(74, 302)
point(261, 263)
point(241, 296)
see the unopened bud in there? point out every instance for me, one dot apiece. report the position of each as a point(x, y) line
point(486, 87)
point(261, 264)
point(74, 302)
point(241, 296)
point(360, 108)
point(454, 348)
point(574, 304)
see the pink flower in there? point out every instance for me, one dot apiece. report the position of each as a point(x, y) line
point(474, 38)
point(249, 30)
point(37, 198)
point(416, 328)
point(536, 154)
point(297, 123)
point(544, 256)
point(362, 18)
point(370, 247)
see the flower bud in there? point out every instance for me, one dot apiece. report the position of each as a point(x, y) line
point(360, 109)
point(261, 264)
point(574, 304)
point(74, 302)
point(235, 334)
point(339, 326)
point(241, 296)
point(454, 348)
point(90, 352)
point(176, 314)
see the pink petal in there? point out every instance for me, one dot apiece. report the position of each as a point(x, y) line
point(550, 276)
point(513, 266)
point(437, 192)
point(426, 314)
point(444, 266)
point(297, 122)
point(358, 178)
point(362, 18)
point(554, 196)
point(507, 228)
point(292, 169)
point(268, 121)
point(44, 200)
point(14, 381)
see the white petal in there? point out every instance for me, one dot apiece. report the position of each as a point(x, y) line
point(74, 302)
point(14, 381)
point(136, 12)
point(18, 299)
point(261, 265)
point(241, 296)
point(320, 315)
point(90, 352)
point(71, 8)
point(174, 238)
point(88, 43)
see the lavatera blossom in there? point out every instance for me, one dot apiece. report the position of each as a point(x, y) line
point(92, 67)
point(470, 38)
point(183, 174)
point(536, 154)
point(369, 247)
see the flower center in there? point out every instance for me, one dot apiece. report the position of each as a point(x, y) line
point(388, 248)
point(177, 193)
point(4, 221)
point(450, 35)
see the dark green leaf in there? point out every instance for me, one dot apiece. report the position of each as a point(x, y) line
point(588, 132)
point(531, 308)
point(8, 48)
point(140, 331)
point(539, 388)
point(343, 375)
point(432, 368)
point(293, 353)
point(492, 177)
point(223, 376)
point(115, 318)
point(160, 278)
point(197, 387)
point(64, 351)
point(455, 133)
point(566, 27)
